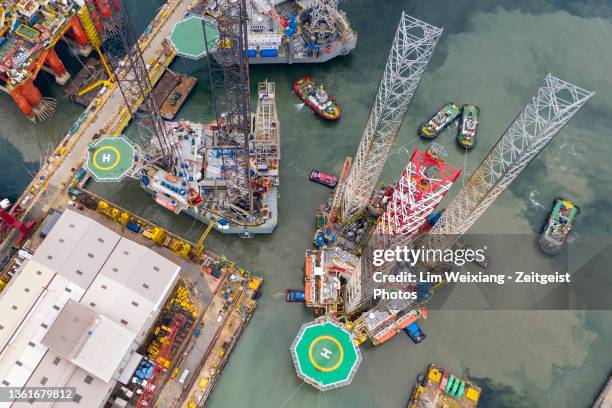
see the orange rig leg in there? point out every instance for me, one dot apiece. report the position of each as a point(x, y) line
point(54, 62)
point(23, 104)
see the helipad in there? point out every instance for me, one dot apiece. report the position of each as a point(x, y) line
point(325, 355)
point(110, 158)
point(190, 36)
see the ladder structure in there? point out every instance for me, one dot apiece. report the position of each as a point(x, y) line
point(410, 53)
point(266, 138)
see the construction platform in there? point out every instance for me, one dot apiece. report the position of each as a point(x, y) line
point(441, 389)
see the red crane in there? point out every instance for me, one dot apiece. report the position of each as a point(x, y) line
point(11, 221)
point(150, 390)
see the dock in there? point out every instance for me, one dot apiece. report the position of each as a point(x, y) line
point(215, 295)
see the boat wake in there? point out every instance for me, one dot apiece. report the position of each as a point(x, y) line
point(299, 106)
point(573, 238)
point(278, 295)
point(532, 199)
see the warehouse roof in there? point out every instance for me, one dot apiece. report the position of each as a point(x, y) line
point(77, 319)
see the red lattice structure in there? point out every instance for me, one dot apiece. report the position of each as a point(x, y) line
point(421, 187)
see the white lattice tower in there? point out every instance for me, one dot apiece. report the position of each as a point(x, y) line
point(553, 105)
point(411, 50)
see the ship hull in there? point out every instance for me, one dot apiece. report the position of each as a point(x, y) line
point(344, 49)
point(231, 228)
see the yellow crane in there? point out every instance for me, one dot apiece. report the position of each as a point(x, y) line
point(198, 249)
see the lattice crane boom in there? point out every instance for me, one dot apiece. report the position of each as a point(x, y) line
point(548, 111)
point(410, 53)
point(229, 77)
point(129, 71)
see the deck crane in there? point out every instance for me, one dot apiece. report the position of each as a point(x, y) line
point(150, 390)
point(11, 221)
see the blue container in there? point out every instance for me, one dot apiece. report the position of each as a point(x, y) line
point(268, 53)
point(133, 227)
point(252, 53)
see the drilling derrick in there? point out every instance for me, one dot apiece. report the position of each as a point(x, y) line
point(229, 78)
point(552, 106)
point(423, 184)
point(129, 72)
point(412, 48)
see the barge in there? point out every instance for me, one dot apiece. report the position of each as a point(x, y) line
point(439, 388)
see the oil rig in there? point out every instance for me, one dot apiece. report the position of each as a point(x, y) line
point(29, 34)
point(360, 216)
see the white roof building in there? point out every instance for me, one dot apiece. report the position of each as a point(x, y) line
point(78, 310)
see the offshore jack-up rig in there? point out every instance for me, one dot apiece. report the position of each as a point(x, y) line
point(360, 216)
point(224, 173)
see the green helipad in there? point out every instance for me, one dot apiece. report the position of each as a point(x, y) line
point(190, 36)
point(110, 158)
point(325, 355)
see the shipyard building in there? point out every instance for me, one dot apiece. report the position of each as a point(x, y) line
point(78, 310)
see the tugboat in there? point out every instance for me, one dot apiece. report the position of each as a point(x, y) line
point(317, 99)
point(439, 122)
point(558, 226)
point(323, 178)
point(466, 136)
